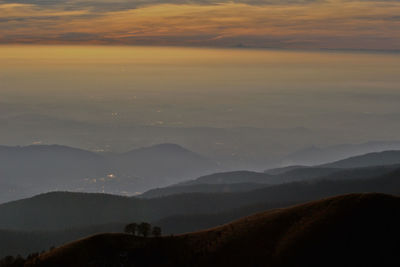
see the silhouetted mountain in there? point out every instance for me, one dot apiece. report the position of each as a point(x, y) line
point(327, 173)
point(179, 224)
point(46, 163)
point(315, 155)
point(63, 210)
point(297, 173)
point(236, 148)
point(163, 164)
point(360, 173)
point(30, 170)
point(40, 168)
point(351, 230)
point(231, 178)
point(26, 171)
point(201, 188)
point(281, 170)
point(19, 242)
point(289, 194)
point(371, 159)
point(238, 181)
point(244, 180)
point(300, 174)
point(25, 242)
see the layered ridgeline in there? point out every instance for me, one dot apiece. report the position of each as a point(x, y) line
point(363, 166)
point(45, 217)
point(59, 210)
point(51, 219)
point(350, 230)
point(314, 155)
point(26, 171)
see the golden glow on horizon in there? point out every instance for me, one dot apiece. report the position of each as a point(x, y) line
point(327, 24)
point(88, 54)
point(55, 67)
point(196, 86)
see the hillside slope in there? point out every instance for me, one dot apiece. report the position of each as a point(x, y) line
point(162, 164)
point(31, 170)
point(390, 157)
point(60, 210)
point(232, 178)
point(201, 188)
point(25, 242)
point(317, 155)
point(347, 230)
point(241, 181)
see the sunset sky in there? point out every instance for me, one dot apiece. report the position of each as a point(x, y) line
point(319, 66)
point(332, 24)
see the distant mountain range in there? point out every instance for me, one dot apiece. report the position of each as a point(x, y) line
point(357, 167)
point(314, 155)
point(25, 171)
point(30, 170)
point(59, 210)
point(370, 159)
point(356, 229)
point(57, 217)
point(201, 188)
point(162, 164)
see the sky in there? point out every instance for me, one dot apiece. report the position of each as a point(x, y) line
point(118, 74)
point(305, 24)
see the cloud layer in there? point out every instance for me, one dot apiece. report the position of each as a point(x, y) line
point(332, 24)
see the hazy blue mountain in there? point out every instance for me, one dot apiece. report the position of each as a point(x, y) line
point(232, 181)
point(370, 159)
point(314, 155)
point(41, 168)
point(280, 170)
point(201, 188)
point(231, 178)
point(30, 170)
point(361, 173)
point(237, 181)
point(390, 157)
point(49, 163)
point(162, 164)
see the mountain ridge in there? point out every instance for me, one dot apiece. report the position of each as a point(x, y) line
point(356, 228)
point(29, 170)
point(63, 209)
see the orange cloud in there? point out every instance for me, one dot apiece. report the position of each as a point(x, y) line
point(328, 24)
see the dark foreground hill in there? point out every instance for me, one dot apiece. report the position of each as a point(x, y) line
point(26, 242)
point(348, 230)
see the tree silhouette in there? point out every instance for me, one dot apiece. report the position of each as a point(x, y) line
point(156, 232)
point(144, 229)
point(131, 228)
